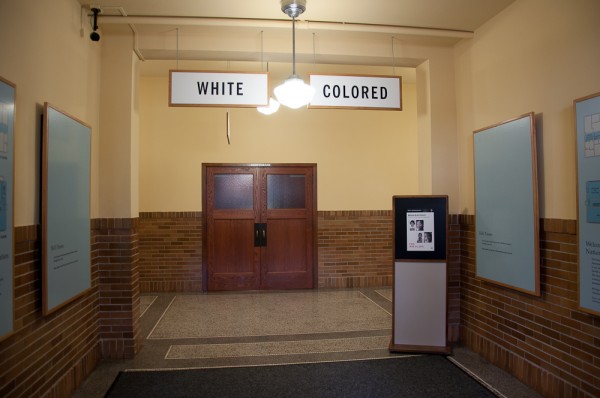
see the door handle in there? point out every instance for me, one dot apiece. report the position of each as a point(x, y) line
point(257, 240)
point(260, 234)
point(264, 234)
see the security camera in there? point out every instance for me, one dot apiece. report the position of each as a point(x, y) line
point(95, 36)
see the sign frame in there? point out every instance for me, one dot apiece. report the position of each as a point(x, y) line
point(587, 116)
point(66, 210)
point(8, 96)
point(350, 96)
point(182, 86)
point(507, 220)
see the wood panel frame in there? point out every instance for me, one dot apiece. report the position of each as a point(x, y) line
point(497, 131)
point(79, 286)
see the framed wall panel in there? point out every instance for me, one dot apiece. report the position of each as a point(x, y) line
point(506, 204)
point(7, 163)
point(587, 127)
point(66, 151)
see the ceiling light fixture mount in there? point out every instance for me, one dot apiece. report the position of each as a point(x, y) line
point(293, 8)
point(294, 93)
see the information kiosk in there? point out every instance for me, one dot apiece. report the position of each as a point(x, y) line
point(419, 300)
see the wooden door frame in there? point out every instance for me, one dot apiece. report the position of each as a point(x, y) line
point(205, 166)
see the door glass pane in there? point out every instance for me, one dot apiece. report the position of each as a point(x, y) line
point(285, 191)
point(234, 191)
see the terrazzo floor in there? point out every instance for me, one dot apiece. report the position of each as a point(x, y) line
point(261, 328)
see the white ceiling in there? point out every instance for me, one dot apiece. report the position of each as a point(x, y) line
point(464, 15)
point(351, 32)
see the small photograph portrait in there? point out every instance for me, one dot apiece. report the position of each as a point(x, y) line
point(428, 237)
point(420, 238)
point(412, 225)
point(420, 225)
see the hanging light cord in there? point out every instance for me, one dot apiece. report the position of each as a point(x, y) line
point(393, 57)
point(177, 44)
point(261, 52)
point(293, 46)
point(314, 52)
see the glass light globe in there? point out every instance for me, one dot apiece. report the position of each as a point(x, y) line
point(294, 93)
point(269, 109)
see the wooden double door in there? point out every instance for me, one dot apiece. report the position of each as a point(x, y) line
point(259, 226)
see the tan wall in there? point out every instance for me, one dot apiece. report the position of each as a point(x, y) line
point(537, 55)
point(46, 51)
point(120, 125)
point(62, 68)
point(363, 157)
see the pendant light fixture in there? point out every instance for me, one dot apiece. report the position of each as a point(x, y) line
point(269, 109)
point(294, 93)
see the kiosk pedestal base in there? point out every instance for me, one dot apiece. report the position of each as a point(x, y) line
point(420, 307)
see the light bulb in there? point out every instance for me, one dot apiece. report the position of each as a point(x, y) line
point(269, 109)
point(294, 93)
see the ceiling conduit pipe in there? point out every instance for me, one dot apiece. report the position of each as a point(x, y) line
point(281, 24)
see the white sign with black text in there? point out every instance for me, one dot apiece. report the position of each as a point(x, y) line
point(218, 89)
point(359, 92)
